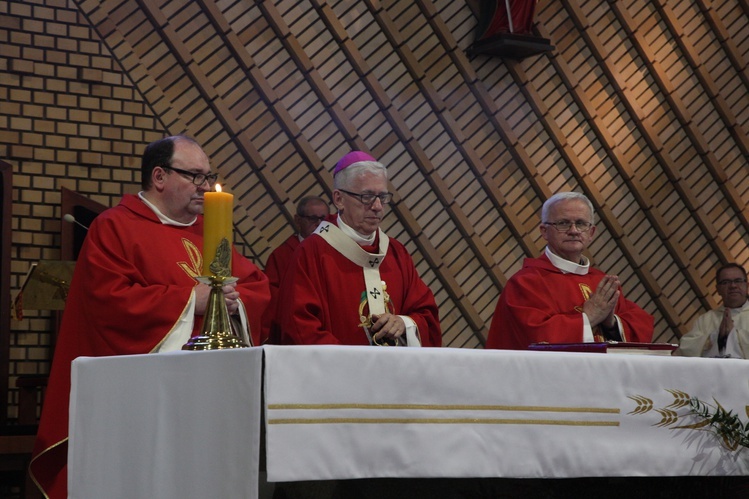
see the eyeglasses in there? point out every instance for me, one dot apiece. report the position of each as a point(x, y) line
point(312, 218)
point(368, 199)
point(564, 225)
point(197, 178)
point(725, 282)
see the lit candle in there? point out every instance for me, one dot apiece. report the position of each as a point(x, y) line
point(217, 224)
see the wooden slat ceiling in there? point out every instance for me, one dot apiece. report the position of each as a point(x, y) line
point(642, 105)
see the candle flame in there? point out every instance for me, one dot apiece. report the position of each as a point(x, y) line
point(218, 187)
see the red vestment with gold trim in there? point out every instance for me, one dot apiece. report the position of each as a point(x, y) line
point(133, 281)
point(321, 294)
point(540, 303)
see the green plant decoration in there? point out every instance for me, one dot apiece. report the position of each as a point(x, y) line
point(727, 425)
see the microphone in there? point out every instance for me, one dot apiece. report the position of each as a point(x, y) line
point(71, 220)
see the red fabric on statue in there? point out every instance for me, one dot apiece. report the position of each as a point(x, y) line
point(540, 303)
point(522, 17)
point(320, 296)
point(133, 281)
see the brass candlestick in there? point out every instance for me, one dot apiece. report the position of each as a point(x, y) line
point(217, 332)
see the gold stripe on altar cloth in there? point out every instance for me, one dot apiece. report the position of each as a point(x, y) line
point(447, 407)
point(487, 421)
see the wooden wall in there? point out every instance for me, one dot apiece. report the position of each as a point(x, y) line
point(643, 106)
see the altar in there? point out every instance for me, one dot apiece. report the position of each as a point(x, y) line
point(172, 425)
point(185, 423)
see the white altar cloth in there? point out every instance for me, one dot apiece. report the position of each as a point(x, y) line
point(337, 412)
point(171, 425)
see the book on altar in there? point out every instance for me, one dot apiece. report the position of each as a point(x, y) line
point(615, 347)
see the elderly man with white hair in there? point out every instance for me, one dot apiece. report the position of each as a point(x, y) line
point(349, 283)
point(559, 297)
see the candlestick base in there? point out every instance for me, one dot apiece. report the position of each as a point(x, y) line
point(216, 331)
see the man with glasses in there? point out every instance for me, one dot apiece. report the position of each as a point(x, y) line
point(349, 283)
point(310, 211)
point(558, 297)
point(723, 332)
point(133, 290)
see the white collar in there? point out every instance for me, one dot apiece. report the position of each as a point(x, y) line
point(567, 266)
point(163, 218)
point(360, 239)
point(738, 309)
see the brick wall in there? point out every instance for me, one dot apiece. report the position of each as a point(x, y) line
point(69, 117)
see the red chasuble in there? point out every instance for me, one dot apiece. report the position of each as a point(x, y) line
point(132, 282)
point(320, 296)
point(277, 265)
point(542, 304)
point(279, 261)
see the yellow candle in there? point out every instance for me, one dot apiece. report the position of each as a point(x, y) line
point(217, 224)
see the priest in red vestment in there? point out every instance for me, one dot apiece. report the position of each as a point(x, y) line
point(310, 211)
point(349, 283)
point(133, 290)
point(558, 297)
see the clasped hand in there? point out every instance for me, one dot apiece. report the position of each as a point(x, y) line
point(726, 325)
point(601, 305)
point(203, 291)
point(387, 326)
